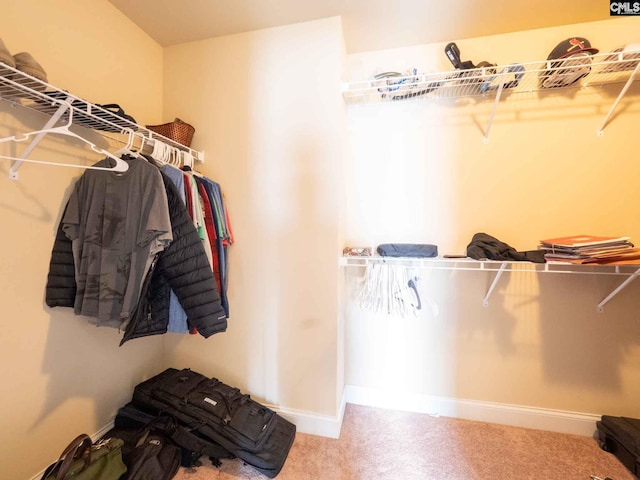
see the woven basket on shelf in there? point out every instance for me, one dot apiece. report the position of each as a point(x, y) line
point(178, 131)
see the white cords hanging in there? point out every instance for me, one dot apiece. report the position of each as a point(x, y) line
point(386, 288)
point(392, 289)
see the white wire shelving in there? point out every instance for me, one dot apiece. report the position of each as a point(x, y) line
point(578, 71)
point(24, 90)
point(630, 271)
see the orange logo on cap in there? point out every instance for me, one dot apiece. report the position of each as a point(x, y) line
point(575, 43)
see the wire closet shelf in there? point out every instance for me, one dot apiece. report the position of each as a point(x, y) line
point(22, 89)
point(629, 271)
point(585, 70)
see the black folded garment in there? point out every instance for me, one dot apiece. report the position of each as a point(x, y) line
point(411, 250)
point(486, 247)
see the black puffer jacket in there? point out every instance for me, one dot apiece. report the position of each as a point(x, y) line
point(182, 267)
point(61, 280)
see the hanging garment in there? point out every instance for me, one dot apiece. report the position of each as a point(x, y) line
point(183, 266)
point(176, 177)
point(223, 238)
point(61, 280)
point(210, 229)
point(177, 315)
point(199, 209)
point(117, 223)
point(205, 201)
point(196, 213)
point(211, 218)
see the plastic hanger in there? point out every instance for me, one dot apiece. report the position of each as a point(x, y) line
point(165, 152)
point(120, 166)
point(143, 143)
point(159, 152)
point(175, 157)
point(128, 148)
point(187, 159)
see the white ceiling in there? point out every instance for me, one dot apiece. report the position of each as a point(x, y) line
point(368, 24)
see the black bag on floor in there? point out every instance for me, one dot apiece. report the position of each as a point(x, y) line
point(242, 426)
point(621, 437)
point(191, 443)
point(147, 453)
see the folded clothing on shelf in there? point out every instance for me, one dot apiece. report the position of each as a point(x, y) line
point(27, 64)
point(410, 250)
point(486, 247)
point(24, 62)
point(5, 56)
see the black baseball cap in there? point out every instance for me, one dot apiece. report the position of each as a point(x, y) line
point(571, 46)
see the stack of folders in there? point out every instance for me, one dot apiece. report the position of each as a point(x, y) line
point(590, 249)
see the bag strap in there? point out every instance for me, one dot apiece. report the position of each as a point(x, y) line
point(74, 450)
point(50, 469)
point(119, 111)
point(70, 451)
point(113, 108)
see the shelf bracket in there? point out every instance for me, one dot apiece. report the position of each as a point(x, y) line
point(493, 111)
point(618, 289)
point(13, 171)
point(485, 301)
point(620, 95)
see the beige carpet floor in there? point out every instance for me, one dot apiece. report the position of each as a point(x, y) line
point(378, 444)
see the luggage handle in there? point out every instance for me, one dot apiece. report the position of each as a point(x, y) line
point(73, 451)
point(225, 401)
point(240, 401)
point(143, 432)
point(80, 445)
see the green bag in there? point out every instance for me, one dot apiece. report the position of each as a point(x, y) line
point(83, 460)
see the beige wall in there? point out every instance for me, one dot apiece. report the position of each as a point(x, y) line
point(275, 145)
point(421, 173)
point(62, 376)
point(271, 120)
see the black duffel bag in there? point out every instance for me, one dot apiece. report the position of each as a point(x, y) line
point(213, 409)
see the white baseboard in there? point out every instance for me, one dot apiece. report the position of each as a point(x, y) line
point(313, 423)
point(520, 416)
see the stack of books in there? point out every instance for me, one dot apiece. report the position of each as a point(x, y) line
point(584, 249)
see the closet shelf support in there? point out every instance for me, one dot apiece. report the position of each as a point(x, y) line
point(485, 301)
point(627, 281)
point(15, 166)
point(493, 112)
point(620, 95)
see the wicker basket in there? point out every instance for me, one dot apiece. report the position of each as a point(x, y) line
point(178, 131)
